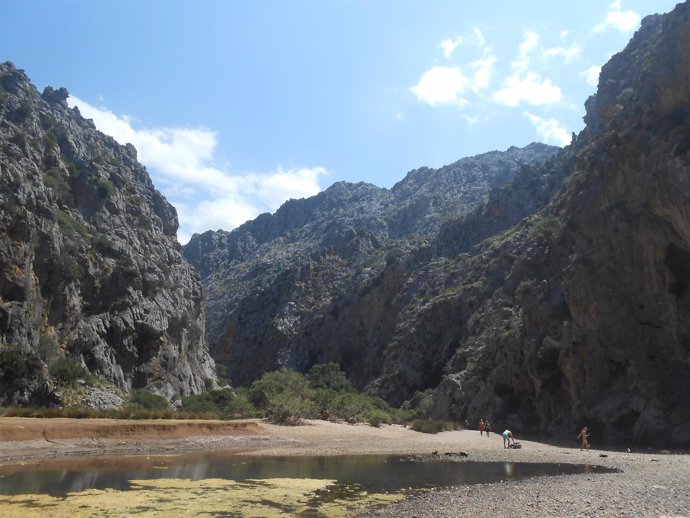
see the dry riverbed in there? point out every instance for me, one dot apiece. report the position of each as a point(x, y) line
point(649, 484)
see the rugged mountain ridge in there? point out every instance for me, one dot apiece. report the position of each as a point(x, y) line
point(90, 268)
point(285, 276)
point(555, 297)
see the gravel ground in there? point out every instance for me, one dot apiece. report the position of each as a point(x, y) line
point(650, 484)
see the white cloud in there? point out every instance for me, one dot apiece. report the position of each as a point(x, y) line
point(207, 197)
point(568, 54)
point(483, 69)
point(442, 85)
point(550, 130)
point(616, 17)
point(529, 43)
point(449, 46)
point(530, 88)
point(448, 85)
point(592, 75)
point(525, 85)
point(475, 38)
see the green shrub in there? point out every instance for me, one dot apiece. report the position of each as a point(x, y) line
point(69, 266)
point(105, 188)
point(57, 183)
point(200, 403)
point(418, 406)
point(144, 399)
point(288, 408)
point(21, 113)
point(66, 371)
point(19, 372)
point(329, 376)
point(48, 347)
point(376, 417)
point(221, 403)
point(103, 244)
point(430, 426)
point(70, 225)
point(283, 396)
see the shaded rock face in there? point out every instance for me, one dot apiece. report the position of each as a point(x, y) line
point(585, 317)
point(89, 264)
point(547, 295)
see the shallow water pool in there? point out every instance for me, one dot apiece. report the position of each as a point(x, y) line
point(370, 473)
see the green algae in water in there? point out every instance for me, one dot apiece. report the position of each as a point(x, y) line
point(267, 498)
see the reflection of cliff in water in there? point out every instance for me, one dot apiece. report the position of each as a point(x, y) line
point(372, 473)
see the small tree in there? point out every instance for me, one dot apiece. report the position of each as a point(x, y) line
point(329, 376)
point(283, 395)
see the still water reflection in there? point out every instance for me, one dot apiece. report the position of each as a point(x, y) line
point(373, 473)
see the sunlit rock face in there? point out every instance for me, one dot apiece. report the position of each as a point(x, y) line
point(89, 264)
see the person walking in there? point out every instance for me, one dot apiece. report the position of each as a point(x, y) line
point(487, 425)
point(481, 427)
point(584, 436)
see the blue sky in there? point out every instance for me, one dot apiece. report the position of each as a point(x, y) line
point(237, 106)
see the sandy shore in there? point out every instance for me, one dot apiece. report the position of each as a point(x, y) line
point(649, 484)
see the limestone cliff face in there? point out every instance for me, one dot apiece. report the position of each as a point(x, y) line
point(89, 264)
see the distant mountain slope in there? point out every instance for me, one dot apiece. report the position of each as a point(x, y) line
point(277, 286)
point(89, 265)
point(545, 292)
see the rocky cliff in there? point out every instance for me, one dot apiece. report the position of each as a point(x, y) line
point(89, 265)
point(304, 285)
point(579, 314)
point(541, 289)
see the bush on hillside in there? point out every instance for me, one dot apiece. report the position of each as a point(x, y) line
point(67, 371)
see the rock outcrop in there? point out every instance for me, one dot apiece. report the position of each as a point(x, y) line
point(90, 268)
point(544, 293)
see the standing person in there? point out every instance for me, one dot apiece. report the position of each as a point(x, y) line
point(481, 427)
point(507, 436)
point(584, 435)
point(487, 424)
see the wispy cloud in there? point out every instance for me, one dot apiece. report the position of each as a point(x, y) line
point(550, 130)
point(522, 61)
point(206, 196)
point(619, 19)
point(474, 38)
point(568, 54)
